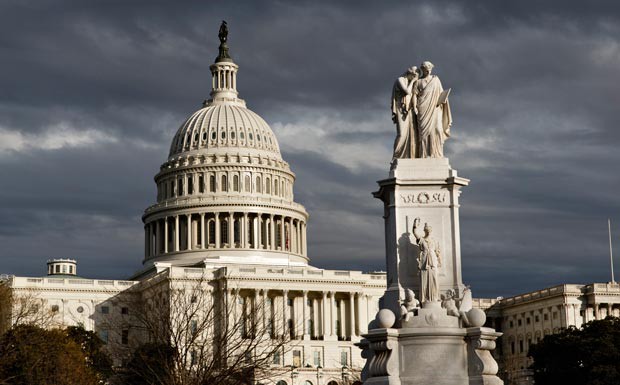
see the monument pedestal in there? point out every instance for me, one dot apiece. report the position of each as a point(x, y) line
point(442, 342)
point(428, 189)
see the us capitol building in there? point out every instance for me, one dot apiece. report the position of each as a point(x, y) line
point(226, 212)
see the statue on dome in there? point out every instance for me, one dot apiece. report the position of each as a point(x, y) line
point(223, 34)
point(223, 49)
point(421, 112)
point(429, 262)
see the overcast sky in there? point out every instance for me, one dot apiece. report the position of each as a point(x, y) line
point(91, 94)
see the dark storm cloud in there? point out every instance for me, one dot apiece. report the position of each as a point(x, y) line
point(91, 94)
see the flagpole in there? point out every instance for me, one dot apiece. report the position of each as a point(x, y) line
point(611, 254)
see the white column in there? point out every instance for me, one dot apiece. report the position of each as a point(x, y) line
point(165, 234)
point(305, 314)
point(176, 233)
point(282, 237)
point(256, 230)
point(332, 313)
point(217, 230)
point(352, 313)
point(304, 245)
point(290, 234)
point(244, 234)
point(265, 312)
point(285, 316)
point(202, 231)
point(189, 231)
point(272, 233)
point(324, 314)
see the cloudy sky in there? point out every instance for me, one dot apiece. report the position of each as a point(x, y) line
point(91, 94)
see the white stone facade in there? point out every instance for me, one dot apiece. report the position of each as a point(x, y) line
point(526, 318)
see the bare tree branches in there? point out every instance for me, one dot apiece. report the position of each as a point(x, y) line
point(204, 333)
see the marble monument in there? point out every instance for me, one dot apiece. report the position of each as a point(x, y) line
point(438, 338)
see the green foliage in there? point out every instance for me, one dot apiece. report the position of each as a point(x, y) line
point(31, 355)
point(586, 356)
point(92, 347)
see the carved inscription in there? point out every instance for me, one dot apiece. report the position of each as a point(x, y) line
point(423, 198)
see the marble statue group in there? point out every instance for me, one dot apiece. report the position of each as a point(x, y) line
point(421, 112)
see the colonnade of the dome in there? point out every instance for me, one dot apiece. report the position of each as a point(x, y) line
point(224, 230)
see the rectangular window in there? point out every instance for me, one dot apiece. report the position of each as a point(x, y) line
point(527, 320)
point(190, 185)
point(58, 268)
point(64, 269)
point(201, 184)
point(276, 358)
point(125, 310)
point(70, 269)
point(125, 337)
point(512, 324)
point(103, 334)
point(105, 310)
point(546, 317)
point(289, 302)
point(555, 315)
point(521, 350)
point(519, 322)
point(512, 347)
point(296, 358)
point(180, 187)
point(193, 327)
point(537, 319)
point(344, 358)
point(317, 358)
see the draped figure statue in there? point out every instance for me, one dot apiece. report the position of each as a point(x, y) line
point(421, 112)
point(433, 113)
point(403, 102)
point(429, 262)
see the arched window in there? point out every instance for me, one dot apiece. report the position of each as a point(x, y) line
point(281, 382)
point(211, 231)
point(282, 189)
point(201, 183)
point(190, 185)
point(248, 183)
point(259, 187)
point(212, 183)
point(237, 233)
point(308, 382)
point(267, 186)
point(236, 183)
point(180, 187)
point(275, 187)
point(224, 231)
point(332, 383)
point(224, 183)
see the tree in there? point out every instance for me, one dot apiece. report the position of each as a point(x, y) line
point(22, 308)
point(31, 355)
point(201, 335)
point(586, 356)
point(92, 348)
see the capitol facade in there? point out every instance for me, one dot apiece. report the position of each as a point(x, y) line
point(226, 215)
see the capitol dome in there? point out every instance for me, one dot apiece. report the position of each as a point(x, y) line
point(225, 195)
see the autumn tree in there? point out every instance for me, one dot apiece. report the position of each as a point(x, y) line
point(589, 355)
point(32, 355)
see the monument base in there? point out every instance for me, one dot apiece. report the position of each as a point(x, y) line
point(430, 348)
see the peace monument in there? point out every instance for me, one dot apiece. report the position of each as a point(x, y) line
point(426, 331)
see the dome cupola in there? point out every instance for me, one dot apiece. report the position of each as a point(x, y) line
point(225, 195)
